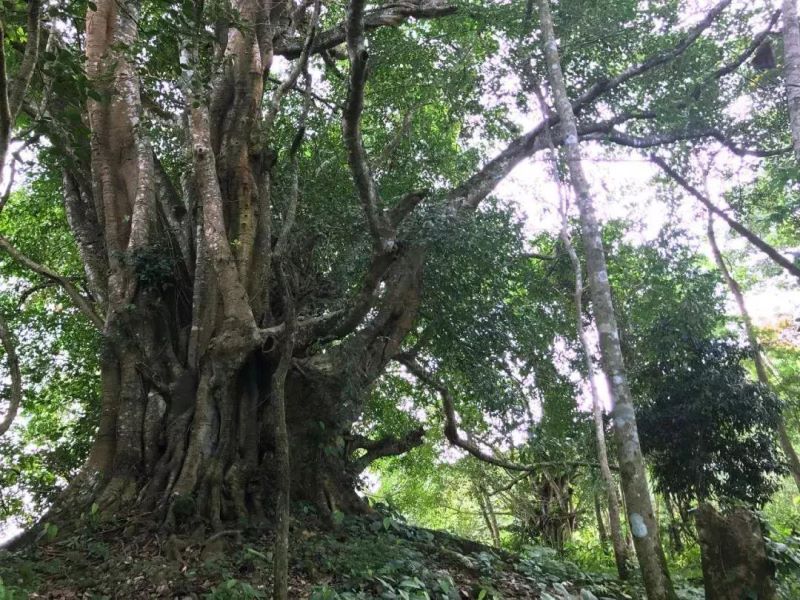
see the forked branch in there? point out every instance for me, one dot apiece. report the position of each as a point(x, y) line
point(351, 126)
point(300, 67)
point(385, 446)
point(451, 424)
point(390, 14)
point(69, 288)
point(469, 194)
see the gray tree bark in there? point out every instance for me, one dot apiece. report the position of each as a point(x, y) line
point(791, 69)
point(9, 344)
point(634, 476)
point(615, 525)
point(614, 522)
point(601, 526)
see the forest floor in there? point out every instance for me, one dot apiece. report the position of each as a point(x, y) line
point(367, 557)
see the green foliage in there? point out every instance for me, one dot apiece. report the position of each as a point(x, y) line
point(783, 356)
point(9, 592)
point(155, 267)
point(783, 511)
point(234, 589)
point(770, 205)
point(707, 429)
point(784, 552)
point(59, 354)
point(545, 565)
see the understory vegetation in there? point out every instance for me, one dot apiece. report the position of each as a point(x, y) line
point(381, 556)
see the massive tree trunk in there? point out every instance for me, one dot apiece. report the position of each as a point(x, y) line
point(190, 427)
point(634, 476)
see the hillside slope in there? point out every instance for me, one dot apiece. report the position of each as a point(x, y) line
point(366, 557)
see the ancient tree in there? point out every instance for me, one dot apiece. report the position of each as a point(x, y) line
point(254, 247)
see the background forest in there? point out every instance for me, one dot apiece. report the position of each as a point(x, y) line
point(319, 280)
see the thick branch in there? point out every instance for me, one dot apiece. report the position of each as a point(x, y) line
point(291, 80)
point(12, 361)
point(234, 297)
point(471, 192)
point(751, 237)
point(82, 218)
point(386, 446)
point(740, 59)
point(74, 294)
point(390, 14)
point(295, 88)
point(609, 134)
point(360, 305)
point(294, 168)
point(351, 125)
point(599, 88)
point(405, 206)
point(29, 59)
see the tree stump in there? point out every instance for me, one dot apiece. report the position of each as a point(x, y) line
point(734, 555)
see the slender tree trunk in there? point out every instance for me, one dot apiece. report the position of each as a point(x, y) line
point(487, 501)
point(620, 557)
point(487, 511)
point(674, 530)
point(601, 526)
point(751, 237)
point(618, 543)
point(634, 476)
point(791, 69)
point(485, 516)
point(755, 347)
point(9, 344)
point(282, 455)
